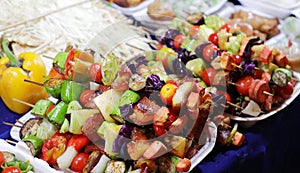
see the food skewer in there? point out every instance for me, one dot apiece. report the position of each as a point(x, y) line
point(11, 124)
point(33, 82)
point(10, 141)
point(19, 121)
point(23, 102)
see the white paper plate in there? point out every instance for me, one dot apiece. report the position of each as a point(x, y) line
point(267, 115)
point(20, 151)
point(143, 17)
point(209, 133)
point(131, 10)
point(268, 8)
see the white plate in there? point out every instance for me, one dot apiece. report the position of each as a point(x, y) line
point(209, 133)
point(287, 4)
point(267, 115)
point(143, 17)
point(21, 154)
point(131, 10)
point(266, 8)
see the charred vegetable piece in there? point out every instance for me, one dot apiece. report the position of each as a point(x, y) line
point(34, 143)
point(281, 76)
point(30, 127)
point(53, 87)
point(114, 166)
point(127, 97)
point(59, 62)
point(40, 108)
point(94, 158)
point(71, 90)
point(57, 114)
point(8, 156)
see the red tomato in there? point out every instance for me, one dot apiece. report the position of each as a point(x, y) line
point(79, 162)
point(285, 91)
point(78, 141)
point(193, 30)
point(159, 46)
point(2, 158)
point(85, 96)
point(214, 38)
point(237, 59)
point(226, 26)
point(208, 52)
point(243, 85)
point(178, 41)
point(167, 92)
point(159, 129)
point(172, 115)
point(11, 169)
point(95, 72)
point(208, 76)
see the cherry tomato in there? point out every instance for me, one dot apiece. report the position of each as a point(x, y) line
point(178, 41)
point(237, 59)
point(193, 30)
point(86, 96)
point(79, 162)
point(167, 92)
point(286, 91)
point(11, 169)
point(159, 129)
point(226, 26)
point(159, 46)
point(208, 76)
point(208, 51)
point(2, 158)
point(95, 72)
point(172, 115)
point(214, 38)
point(78, 141)
point(243, 85)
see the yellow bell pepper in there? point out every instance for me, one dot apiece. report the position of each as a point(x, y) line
point(13, 72)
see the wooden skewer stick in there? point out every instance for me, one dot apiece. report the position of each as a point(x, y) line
point(231, 83)
point(267, 93)
point(33, 82)
point(135, 47)
point(237, 66)
point(11, 124)
point(43, 15)
point(25, 103)
point(10, 141)
point(48, 57)
point(234, 105)
point(148, 30)
point(19, 122)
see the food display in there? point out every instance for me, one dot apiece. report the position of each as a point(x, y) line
point(255, 78)
point(124, 98)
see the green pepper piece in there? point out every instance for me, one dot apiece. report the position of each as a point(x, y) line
point(127, 97)
point(41, 107)
point(57, 114)
point(71, 90)
point(59, 62)
point(53, 87)
point(281, 76)
point(24, 166)
point(36, 142)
